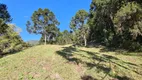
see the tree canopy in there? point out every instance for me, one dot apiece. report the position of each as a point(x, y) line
point(116, 23)
point(10, 39)
point(4, 17)
point(78, 25)
point(44, 22)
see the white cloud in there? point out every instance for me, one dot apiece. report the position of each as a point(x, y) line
point(26, 16)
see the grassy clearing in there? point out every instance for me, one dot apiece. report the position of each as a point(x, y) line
point(54, 62)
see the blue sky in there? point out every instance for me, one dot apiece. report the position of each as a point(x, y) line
point(21, 11)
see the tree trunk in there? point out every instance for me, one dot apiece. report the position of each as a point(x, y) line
point(49, 37)
point(45, 39)
point(85, 41)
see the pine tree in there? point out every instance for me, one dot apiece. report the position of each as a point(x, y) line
point(4, 18)
point(78, 25)
point(44, 22)
point(10, 41)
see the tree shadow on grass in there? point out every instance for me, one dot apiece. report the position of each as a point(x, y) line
point(69, 52)
point(120, 51)
point(7, 54)
point(11, 52)
point(123, 78)
point(86, 77)
point(114, 60)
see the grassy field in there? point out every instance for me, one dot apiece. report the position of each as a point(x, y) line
point(52, 62)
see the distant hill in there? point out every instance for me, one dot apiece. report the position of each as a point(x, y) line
point(33, 42)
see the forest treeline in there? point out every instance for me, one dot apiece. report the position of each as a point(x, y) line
point(112, 23)
point(117, 23)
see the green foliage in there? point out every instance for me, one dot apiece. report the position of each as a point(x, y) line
point(79, 26)
point(4, 18)
point(116, 23)
point(33, 42)
point(78, 20)
point(44, 22)
point(10, 41)
point(4, 14)
point(49, 40)
point(61, 38)
point(64, 37)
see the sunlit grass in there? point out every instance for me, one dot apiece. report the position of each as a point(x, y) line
point(52, 62)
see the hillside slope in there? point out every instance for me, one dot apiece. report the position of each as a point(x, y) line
point(52, 62)
point(33, 42)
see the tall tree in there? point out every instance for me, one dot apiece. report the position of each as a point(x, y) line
point(4, 17)
point(78, 25)
point(44, 22)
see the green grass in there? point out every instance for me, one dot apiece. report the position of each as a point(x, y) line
point(52, 62)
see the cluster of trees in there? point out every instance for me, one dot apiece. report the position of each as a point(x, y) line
point(10, 40)
point(116, 23)
point(44, 22)
point(113, 23)
point(64, 37)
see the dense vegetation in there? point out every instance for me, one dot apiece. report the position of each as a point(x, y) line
point(117, 23)
point(10, 41)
